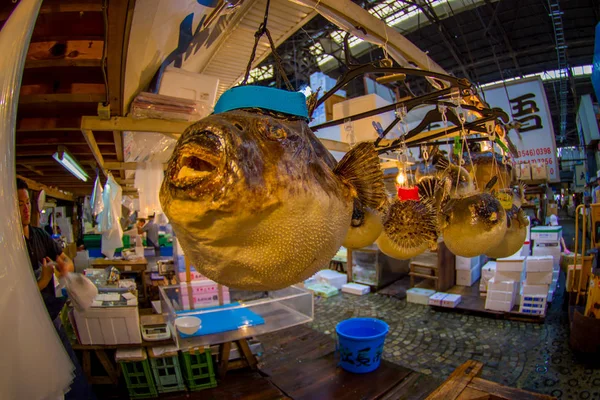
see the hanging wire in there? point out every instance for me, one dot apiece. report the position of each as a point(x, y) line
point(262, 30)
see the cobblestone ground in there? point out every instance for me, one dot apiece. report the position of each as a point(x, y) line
point(526, 355)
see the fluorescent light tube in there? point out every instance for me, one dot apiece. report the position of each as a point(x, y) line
point(70, 164)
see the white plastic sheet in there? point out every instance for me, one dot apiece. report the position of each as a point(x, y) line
point(34, 364)
point(148, 178)
point(97, 203)
point(109, 222)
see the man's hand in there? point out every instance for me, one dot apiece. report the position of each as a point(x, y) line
point(47, 271)
point(64, 264)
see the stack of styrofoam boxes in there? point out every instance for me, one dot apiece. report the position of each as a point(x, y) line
point(468, 270)
point(331, 277)
point(501, 294)
point(547, 243)
point(504, 287)
point(445, 299)
point(419, 296)
point(538, 276)
point(487, 273)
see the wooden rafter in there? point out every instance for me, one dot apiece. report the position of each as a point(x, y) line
point(60, 6)
point(91, 141)
point(136, 125)
point(32, 169)
point(52, 192)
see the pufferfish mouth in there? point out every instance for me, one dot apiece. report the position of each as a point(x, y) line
point(193, 165)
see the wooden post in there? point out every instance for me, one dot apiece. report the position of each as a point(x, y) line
point(349, 265)
point(188, 280)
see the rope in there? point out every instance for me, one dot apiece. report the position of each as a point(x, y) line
point(262, 30)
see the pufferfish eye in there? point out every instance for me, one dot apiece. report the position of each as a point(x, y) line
point(276, 132)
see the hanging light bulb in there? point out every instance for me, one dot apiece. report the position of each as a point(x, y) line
point(401, 178)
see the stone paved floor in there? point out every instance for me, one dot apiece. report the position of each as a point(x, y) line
point(526, 355)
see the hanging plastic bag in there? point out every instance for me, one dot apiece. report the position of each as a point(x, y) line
point(109, 220)
point(97, 203)
point(34, 364)
point(81, 290)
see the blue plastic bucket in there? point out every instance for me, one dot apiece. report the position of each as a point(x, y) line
point(360, 343)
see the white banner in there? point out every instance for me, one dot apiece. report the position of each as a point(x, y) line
point(524, 100)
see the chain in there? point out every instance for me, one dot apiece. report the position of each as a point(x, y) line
point(262, 30)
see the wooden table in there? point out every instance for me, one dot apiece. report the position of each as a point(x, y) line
point(138, 266)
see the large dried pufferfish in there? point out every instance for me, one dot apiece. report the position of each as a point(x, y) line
point(258, 203)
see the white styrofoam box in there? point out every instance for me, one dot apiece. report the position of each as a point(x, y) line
point(496, 284)
point(419, 296)
point(334, 278)
point(525, 250)
point(544, 234)
point(451, 300)
point(534, 304)
point(110, 325)
point(549, 249)
point(510, 264)
point(468, 277)
point(539, 278)
point(495, 305)
point(539, 264)
point(363, 128)
point(177, 82)
point(534, 290)
point(509, 276)
point(487, 272)
point(355, 288)
point(466, 263)
point(436, 298)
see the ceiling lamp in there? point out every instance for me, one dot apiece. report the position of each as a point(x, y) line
point(68, 161)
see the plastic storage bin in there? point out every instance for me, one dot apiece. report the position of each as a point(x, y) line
point(166, 371)
point(137, 373)
point(197, 368)
point(245, 317)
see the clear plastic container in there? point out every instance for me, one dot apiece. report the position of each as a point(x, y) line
point(275, 310)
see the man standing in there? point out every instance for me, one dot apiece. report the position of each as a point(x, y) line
point(151, 230)
point(42, 250)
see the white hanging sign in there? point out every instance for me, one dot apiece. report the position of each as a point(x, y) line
point(524, 100)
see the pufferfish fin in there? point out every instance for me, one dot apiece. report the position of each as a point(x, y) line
point(490, 184)
point(427, 187)
point(360, 168)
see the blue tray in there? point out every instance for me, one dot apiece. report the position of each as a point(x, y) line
point(224, 320)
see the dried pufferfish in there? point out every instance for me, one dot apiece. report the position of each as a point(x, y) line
point(258, 203)
point(365, 227)
point(409, 229)
point(517, 224)
point(470, 222)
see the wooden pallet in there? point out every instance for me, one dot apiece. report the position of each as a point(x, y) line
point(464, 384)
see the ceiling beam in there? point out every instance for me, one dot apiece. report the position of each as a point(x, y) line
point(48, 124)
point(118, 139)
point(36, 171)
point(91, 141)
point(62, 63)
point(57, 6)
point(500, 27)
point(62, 98)
point(174, 128)
point(52, 192)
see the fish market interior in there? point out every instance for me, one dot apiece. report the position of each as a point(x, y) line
point(300, 199)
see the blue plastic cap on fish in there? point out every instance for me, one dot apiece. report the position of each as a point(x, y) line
point(283, 101)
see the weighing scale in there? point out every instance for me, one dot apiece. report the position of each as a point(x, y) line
point(154, 327)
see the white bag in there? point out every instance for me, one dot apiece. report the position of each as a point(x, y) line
point(81, 290)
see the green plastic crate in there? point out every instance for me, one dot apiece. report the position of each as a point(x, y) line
point(167, 374)
point(197, 369)
point(138, 377)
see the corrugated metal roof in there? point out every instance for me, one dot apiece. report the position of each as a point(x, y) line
point(230, 61)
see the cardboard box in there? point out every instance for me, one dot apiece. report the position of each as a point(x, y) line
point(551, 209)
point(549, 249)
point(539, 171)
point(510, 286)
point(539, 278)
point(534, 290)
point(451, 300)
point(495, 295)
point(468, 277)
point(510, 264)
point(525, 172)
point(465, 263)
point(436, 299)
point(419, 296)
point(539, 264)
